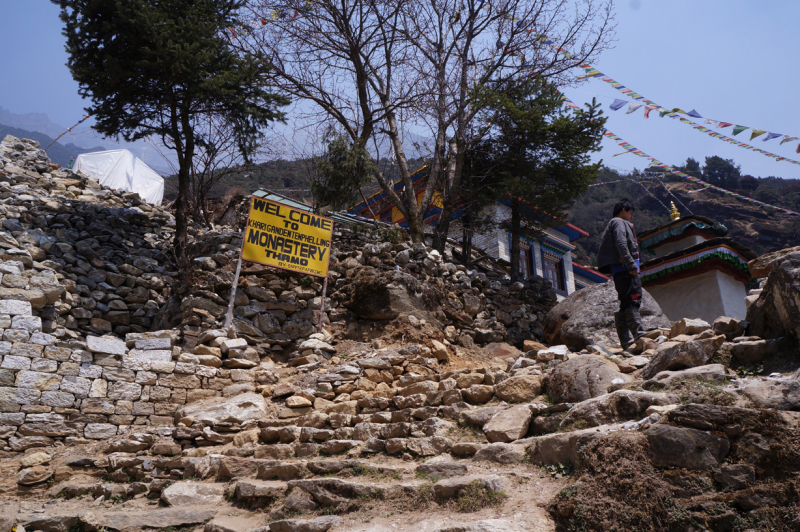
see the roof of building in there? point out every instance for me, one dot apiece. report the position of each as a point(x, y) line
point(382, 206)
point(652, 237)
point(726, 252)
point(339, 217)
point(588, 273)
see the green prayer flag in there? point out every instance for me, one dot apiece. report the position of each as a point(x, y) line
point(756, 132)
point(738, 129)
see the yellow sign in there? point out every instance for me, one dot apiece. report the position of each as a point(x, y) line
point(281, 236)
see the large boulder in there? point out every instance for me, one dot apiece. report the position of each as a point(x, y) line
point(762, 266)
point(237, 409)
point(776, 313)
point(587, 317)
point(680, 355)
point(583, 377)
point(685, 447)
point(778, 394)
point(622, 405)
point(709, 373)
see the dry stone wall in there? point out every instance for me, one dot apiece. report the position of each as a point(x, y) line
point(86, 280)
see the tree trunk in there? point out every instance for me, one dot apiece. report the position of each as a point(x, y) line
point(467, 231)
point(182, 219)
point(515, 232)
point(416, 229)
point(183, 205)
point(442, 228)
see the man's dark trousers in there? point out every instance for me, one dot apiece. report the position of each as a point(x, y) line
point(629, 290)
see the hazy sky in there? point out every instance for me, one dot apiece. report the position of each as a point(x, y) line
point(732, 60)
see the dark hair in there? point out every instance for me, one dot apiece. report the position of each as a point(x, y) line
point(623, 204)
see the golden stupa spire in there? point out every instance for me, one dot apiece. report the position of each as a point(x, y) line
point(673, 212)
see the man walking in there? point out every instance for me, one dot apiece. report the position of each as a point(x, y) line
point(619, 256)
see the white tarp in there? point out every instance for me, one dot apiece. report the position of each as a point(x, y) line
point(120, 169)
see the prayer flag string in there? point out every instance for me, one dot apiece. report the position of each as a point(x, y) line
point(81, 121)
point(628, 147)
point(675, 112)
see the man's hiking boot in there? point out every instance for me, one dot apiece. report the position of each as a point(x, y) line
point(624, 334)
point(634, 322)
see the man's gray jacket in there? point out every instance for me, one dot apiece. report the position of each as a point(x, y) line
point(619, 250)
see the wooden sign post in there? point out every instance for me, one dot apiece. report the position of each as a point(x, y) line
point(288, 238)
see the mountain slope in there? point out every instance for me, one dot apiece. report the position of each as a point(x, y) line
point(761, 230)
point(58, 153)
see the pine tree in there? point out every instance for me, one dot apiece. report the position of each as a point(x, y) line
point(540, 154)
point(156, 67)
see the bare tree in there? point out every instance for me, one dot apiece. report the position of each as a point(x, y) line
point(382, 68)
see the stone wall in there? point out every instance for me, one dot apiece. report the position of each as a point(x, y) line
point(97, 387)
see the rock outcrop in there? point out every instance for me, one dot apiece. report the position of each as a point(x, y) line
point(587, 317)
point(776, 313)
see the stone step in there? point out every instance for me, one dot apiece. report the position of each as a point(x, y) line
point(66, 517)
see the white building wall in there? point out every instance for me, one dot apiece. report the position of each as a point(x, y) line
point(496, 244)
point(569, 276)
point(706, 296)
point(537, 252)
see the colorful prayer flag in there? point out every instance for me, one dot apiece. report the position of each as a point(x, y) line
point(756, 132)
point(633, 107)
point(617, 104)
point(738, 129)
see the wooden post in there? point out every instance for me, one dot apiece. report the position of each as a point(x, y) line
point(322, 303)
point(229, 315)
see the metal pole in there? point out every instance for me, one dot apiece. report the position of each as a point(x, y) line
point(229, 315)
point(322, 303)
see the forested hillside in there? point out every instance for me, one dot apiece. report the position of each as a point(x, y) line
point(762, 230)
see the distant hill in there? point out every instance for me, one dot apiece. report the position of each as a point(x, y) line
point(762, 230)
point(84, 138)
point(58, 153)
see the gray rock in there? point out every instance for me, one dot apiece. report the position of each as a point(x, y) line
point(236, 409)
point(587, 317)
point(188, 493)
point(663, 379)
point(736, 476)
point(683, 355)
point(777, 394)
point(501, 453)
point(318, 524)
point(689, 326)
point(478, 417)
point(333, 491)
point(151, 518)
point(31, 324)
point(104, 345)
point(442, 469)
point(508, 425)
point(685, 447)
point(776, 313)
point(754, 351)
point(15, 308)
point(449, 488)
point(564, 447)
point(99, 431)
point(615, 407)
point(149, 344)
point(33, 475)
point(583, 377)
